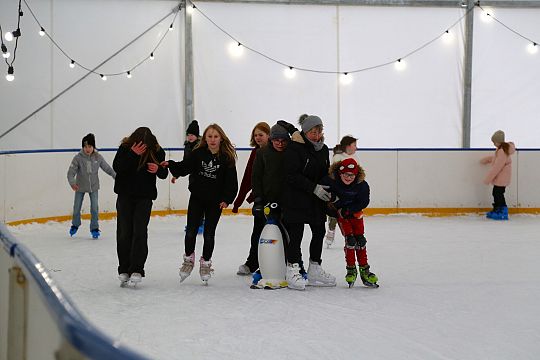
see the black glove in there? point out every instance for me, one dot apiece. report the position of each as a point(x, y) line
point(288, 126)
point(258, 208)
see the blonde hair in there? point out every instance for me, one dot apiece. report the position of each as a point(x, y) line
point(226, 148)
point(264, 127)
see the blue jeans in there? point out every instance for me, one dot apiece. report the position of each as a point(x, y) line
point(94, 209)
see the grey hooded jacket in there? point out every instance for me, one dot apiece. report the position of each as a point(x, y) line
point(84, 168)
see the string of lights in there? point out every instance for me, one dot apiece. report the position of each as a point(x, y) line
point(533, 45)
point(72, 63)
point(9, 36)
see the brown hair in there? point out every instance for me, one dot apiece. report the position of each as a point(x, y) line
point(264, 127)
point(345, 141)
point(226, 148)
point(144, 135)
point(506, 147)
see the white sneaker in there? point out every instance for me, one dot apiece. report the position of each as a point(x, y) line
point(205, 269)
point(135, 279)
point(329, 238)
point(187, 267)
point(243, 270)
point(124, 278)
point(318, 277)
point(294, 278)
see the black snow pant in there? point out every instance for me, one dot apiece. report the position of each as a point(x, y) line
point(253, 258)
point(296, 232)
point(498, 196)
point(133, 216)
point(197, 210)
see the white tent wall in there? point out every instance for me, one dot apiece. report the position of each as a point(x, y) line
point(418, 107)
point(505, 89)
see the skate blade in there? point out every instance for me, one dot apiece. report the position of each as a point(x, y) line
point(351, 284)
point(373, 286)
point(205, 282)
point(123, 284)
point(320, 284)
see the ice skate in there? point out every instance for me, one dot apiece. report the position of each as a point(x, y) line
point(368, 278)
point(73, 230)
point(135, 279)
point(294, 279)
point(124, 278)
point(318, 277)
point(329, 238)
point(500, 213)
point(205, 270)
point(352, 273)
point(187, 267)
point(243, 270)
point(95, 233)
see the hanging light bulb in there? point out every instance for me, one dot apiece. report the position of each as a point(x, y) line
point(151, 56)
point(11, 35)
point(8, 36)
point(103, 77)
point(42, 32)
point(171, 28)
point(289, 72)
point(400, 65)
point(532, 48)
point(236, 49)
point(447, 37)
point(128, 75)
point(487, 15)
point(72, 64)
point(190, 9)
point(10, 76)
point(5, 52)
point(345, 78)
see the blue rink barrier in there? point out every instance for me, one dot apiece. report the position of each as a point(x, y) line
point(90, 342)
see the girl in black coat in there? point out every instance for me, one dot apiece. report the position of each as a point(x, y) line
point(212, 166)
point(306, 163)
point(138, 161)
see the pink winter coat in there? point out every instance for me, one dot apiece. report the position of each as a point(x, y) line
point(501, 167)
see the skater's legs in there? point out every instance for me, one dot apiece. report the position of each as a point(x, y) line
point(77, 204)
point(94, 210)
point(316, 245)
point(294, 251)
point(212, 213)
point(139, 250)
point(498, 196)
point(253, 259)
point(124, 232)
point(194, 217)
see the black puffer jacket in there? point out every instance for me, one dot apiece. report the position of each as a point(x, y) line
point(304, 169)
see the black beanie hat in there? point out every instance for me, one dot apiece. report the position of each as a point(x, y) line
point(89, 140)
point(193, 128)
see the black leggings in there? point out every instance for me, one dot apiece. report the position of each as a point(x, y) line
point(498, 196)
point(197, 210)
point(296, 232)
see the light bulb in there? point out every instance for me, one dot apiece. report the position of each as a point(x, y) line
point(171, 28)
point(6, 55)
point(345, 78)
point(5, 52)
point(447, 37)
point(486, 15)
point(128, 74)
point(289, 72)
point(400, 65)
point(42, 32)
point(10, 76)
point(190, 9)
point(103, 77)
point(532, 48)
point(151, 56)
point(8, 36)
point(72, 64)
point(236, 49)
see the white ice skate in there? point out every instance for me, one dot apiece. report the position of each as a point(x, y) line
point(205, 270)
point(187, 267)
point(318, 277)
point(135, 279)
point(124, 278)
point(294, 279)
point(329, 238)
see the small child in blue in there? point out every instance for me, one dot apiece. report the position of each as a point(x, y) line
point(83, 178)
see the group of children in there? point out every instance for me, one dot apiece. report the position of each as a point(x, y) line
point(211, 166)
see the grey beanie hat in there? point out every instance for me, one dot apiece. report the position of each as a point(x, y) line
point(310, 122)
point(498, 136)
point(278, 132)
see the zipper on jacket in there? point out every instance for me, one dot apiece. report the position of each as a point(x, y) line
point(305, 166)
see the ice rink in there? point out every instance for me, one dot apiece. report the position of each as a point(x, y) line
point(451, 288)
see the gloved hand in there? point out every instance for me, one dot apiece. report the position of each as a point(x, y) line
point(288, 126)
point(258, 208)
point(320, 191)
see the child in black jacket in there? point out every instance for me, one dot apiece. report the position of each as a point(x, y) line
point(213, 187)
point(350, 193)
point(138, 161)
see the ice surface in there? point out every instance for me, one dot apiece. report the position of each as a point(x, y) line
point(451, 288)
